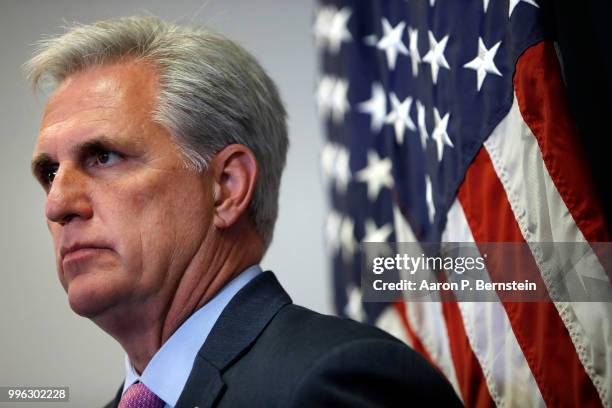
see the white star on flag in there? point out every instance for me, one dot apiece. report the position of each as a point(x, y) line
point(322, 24)
point(413, 50)
point(391, 42)
point(347, 238)
point(323, 94)
point(375, 234)
point(354, 306)
point(421, 122)
point(440, 134)
point(328, 159)
point(514, 3)
point(342, 170)
point(338, 31)
point(483, 64)
point(485, 5)
point(435, 55)
point(332, 228)
point(377, 174)
point(431, 209)
point(332, 97)
point(339, 100)
point(376, 107)
point(400, 117)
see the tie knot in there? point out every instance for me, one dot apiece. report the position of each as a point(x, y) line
point(139, 396)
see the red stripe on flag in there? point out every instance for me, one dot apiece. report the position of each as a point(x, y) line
point(543, 105)
point(469, 373)
point(417, 345)
point(538, 327)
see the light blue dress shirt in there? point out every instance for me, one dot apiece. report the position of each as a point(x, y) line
point(168, 371)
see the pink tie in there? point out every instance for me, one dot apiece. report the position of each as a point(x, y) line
point(139, 396)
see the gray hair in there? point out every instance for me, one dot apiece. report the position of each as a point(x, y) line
point(213, 93)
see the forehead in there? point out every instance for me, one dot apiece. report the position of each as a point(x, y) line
point(108, 99)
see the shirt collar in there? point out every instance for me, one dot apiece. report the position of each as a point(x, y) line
point(168, 371)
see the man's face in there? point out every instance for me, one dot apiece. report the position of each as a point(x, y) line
point(126, 216)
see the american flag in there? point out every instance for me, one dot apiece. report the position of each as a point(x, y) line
point(447, 120)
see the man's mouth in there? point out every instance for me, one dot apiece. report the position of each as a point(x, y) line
point(81, 251)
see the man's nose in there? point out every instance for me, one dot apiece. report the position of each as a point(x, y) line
point(68, 197)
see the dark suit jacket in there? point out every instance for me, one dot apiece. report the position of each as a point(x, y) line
point(266, 352)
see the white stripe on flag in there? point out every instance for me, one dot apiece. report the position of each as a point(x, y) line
point(507, 373)
point(427, 318)
point(391, 322)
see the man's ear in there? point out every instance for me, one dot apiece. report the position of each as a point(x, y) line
point(234, 171)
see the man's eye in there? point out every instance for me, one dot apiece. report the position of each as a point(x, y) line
point(105, 158)
point(48, 174)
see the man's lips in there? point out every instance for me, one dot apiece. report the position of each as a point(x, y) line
point(81, 250)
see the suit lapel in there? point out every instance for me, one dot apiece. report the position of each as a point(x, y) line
point(237, 328)
point(203, 387)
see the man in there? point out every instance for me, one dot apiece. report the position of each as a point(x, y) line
point(161, 151)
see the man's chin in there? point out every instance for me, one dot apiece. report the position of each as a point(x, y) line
point(87, 307)
point(89, 298)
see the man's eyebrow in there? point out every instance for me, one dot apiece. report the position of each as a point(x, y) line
point(44, 160)
point(94, 145)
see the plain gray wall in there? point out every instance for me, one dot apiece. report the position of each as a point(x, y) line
point(42, 342)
